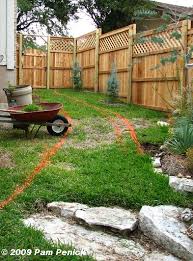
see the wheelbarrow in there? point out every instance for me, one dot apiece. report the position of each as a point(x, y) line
point(56, 124)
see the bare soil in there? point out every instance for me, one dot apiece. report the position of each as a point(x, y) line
point(151, 149)
point(172, 164)
point(175, 165)
point(6, 160)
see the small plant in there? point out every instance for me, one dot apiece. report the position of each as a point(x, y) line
point(11, 87)
point(32, 107)
point(76, 77)
point(113, 85)
point(181, 137)
point(189, 155)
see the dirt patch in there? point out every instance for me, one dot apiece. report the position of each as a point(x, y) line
point(174, 165)
point(6, 160)
point(151, 149)
point(140, 123)
point(91, 133)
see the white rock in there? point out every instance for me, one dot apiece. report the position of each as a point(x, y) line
point(162, 123)
point(163, 147)
point(156, 162)
point(162, 225)
point(99, 244)
point(65, 209)
point(186, 215)
point(158, 170)
point(160, 257)
point(181, 184)
point(120, 220)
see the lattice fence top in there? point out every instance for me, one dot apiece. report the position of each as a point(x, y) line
point(61, 44)
point(86, 42)
point(150, 43)
point(114, 41)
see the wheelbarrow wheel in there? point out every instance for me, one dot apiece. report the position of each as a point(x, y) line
point(58, 130)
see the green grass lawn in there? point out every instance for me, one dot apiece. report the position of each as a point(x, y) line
point(107, 175)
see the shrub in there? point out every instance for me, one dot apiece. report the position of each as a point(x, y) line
point(113, 85)
point(189, 155)
point(182, 137)
point(76, 76)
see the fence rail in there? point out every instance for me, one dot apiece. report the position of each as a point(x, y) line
point(136, 61)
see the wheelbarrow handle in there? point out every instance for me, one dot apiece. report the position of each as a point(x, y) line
point(7, 91)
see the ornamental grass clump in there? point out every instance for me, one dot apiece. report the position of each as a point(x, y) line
point(181, 136)
point(76, 77)
point(113, 85)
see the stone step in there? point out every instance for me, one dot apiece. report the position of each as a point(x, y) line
point(100, 245)
point(162, 224)
point(113, 219)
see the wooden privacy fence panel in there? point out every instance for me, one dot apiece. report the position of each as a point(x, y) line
point(114, 49)
point(86, 57)
point(61, 61)
point(155, 85)
point(137, 58)
point(50, 68)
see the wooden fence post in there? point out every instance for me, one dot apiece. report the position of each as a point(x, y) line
point(186, 25)
point(75, 51)
point(48, 63)
point(132, 32)
point(74, 55)
point(20, 59)
point(97, 49)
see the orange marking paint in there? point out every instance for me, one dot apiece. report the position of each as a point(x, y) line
point(43, 163)
point(106, 112)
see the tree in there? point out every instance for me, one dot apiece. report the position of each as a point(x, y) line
point(113, 85)
point(51, 14)
point(76, 76)
point(113, 14)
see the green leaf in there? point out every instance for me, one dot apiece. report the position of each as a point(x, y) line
point(176, 34)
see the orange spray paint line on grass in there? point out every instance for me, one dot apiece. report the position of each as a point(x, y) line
point(132, 132)
point(47, 155)
point(117, 129)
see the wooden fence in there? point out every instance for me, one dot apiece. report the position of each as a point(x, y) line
point(140, 82)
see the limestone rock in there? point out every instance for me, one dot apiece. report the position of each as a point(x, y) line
point(186, 215)
point(162, 225)
point(116, 219)
point(156, 163)
point(160, 257)
point(163, 123)
point(181, 184)
point(65, 209)
point(99, 244)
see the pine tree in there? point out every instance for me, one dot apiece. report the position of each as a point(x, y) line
point(76, 76)
point(113, 85)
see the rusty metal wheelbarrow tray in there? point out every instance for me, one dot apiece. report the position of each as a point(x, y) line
point(48, 116)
